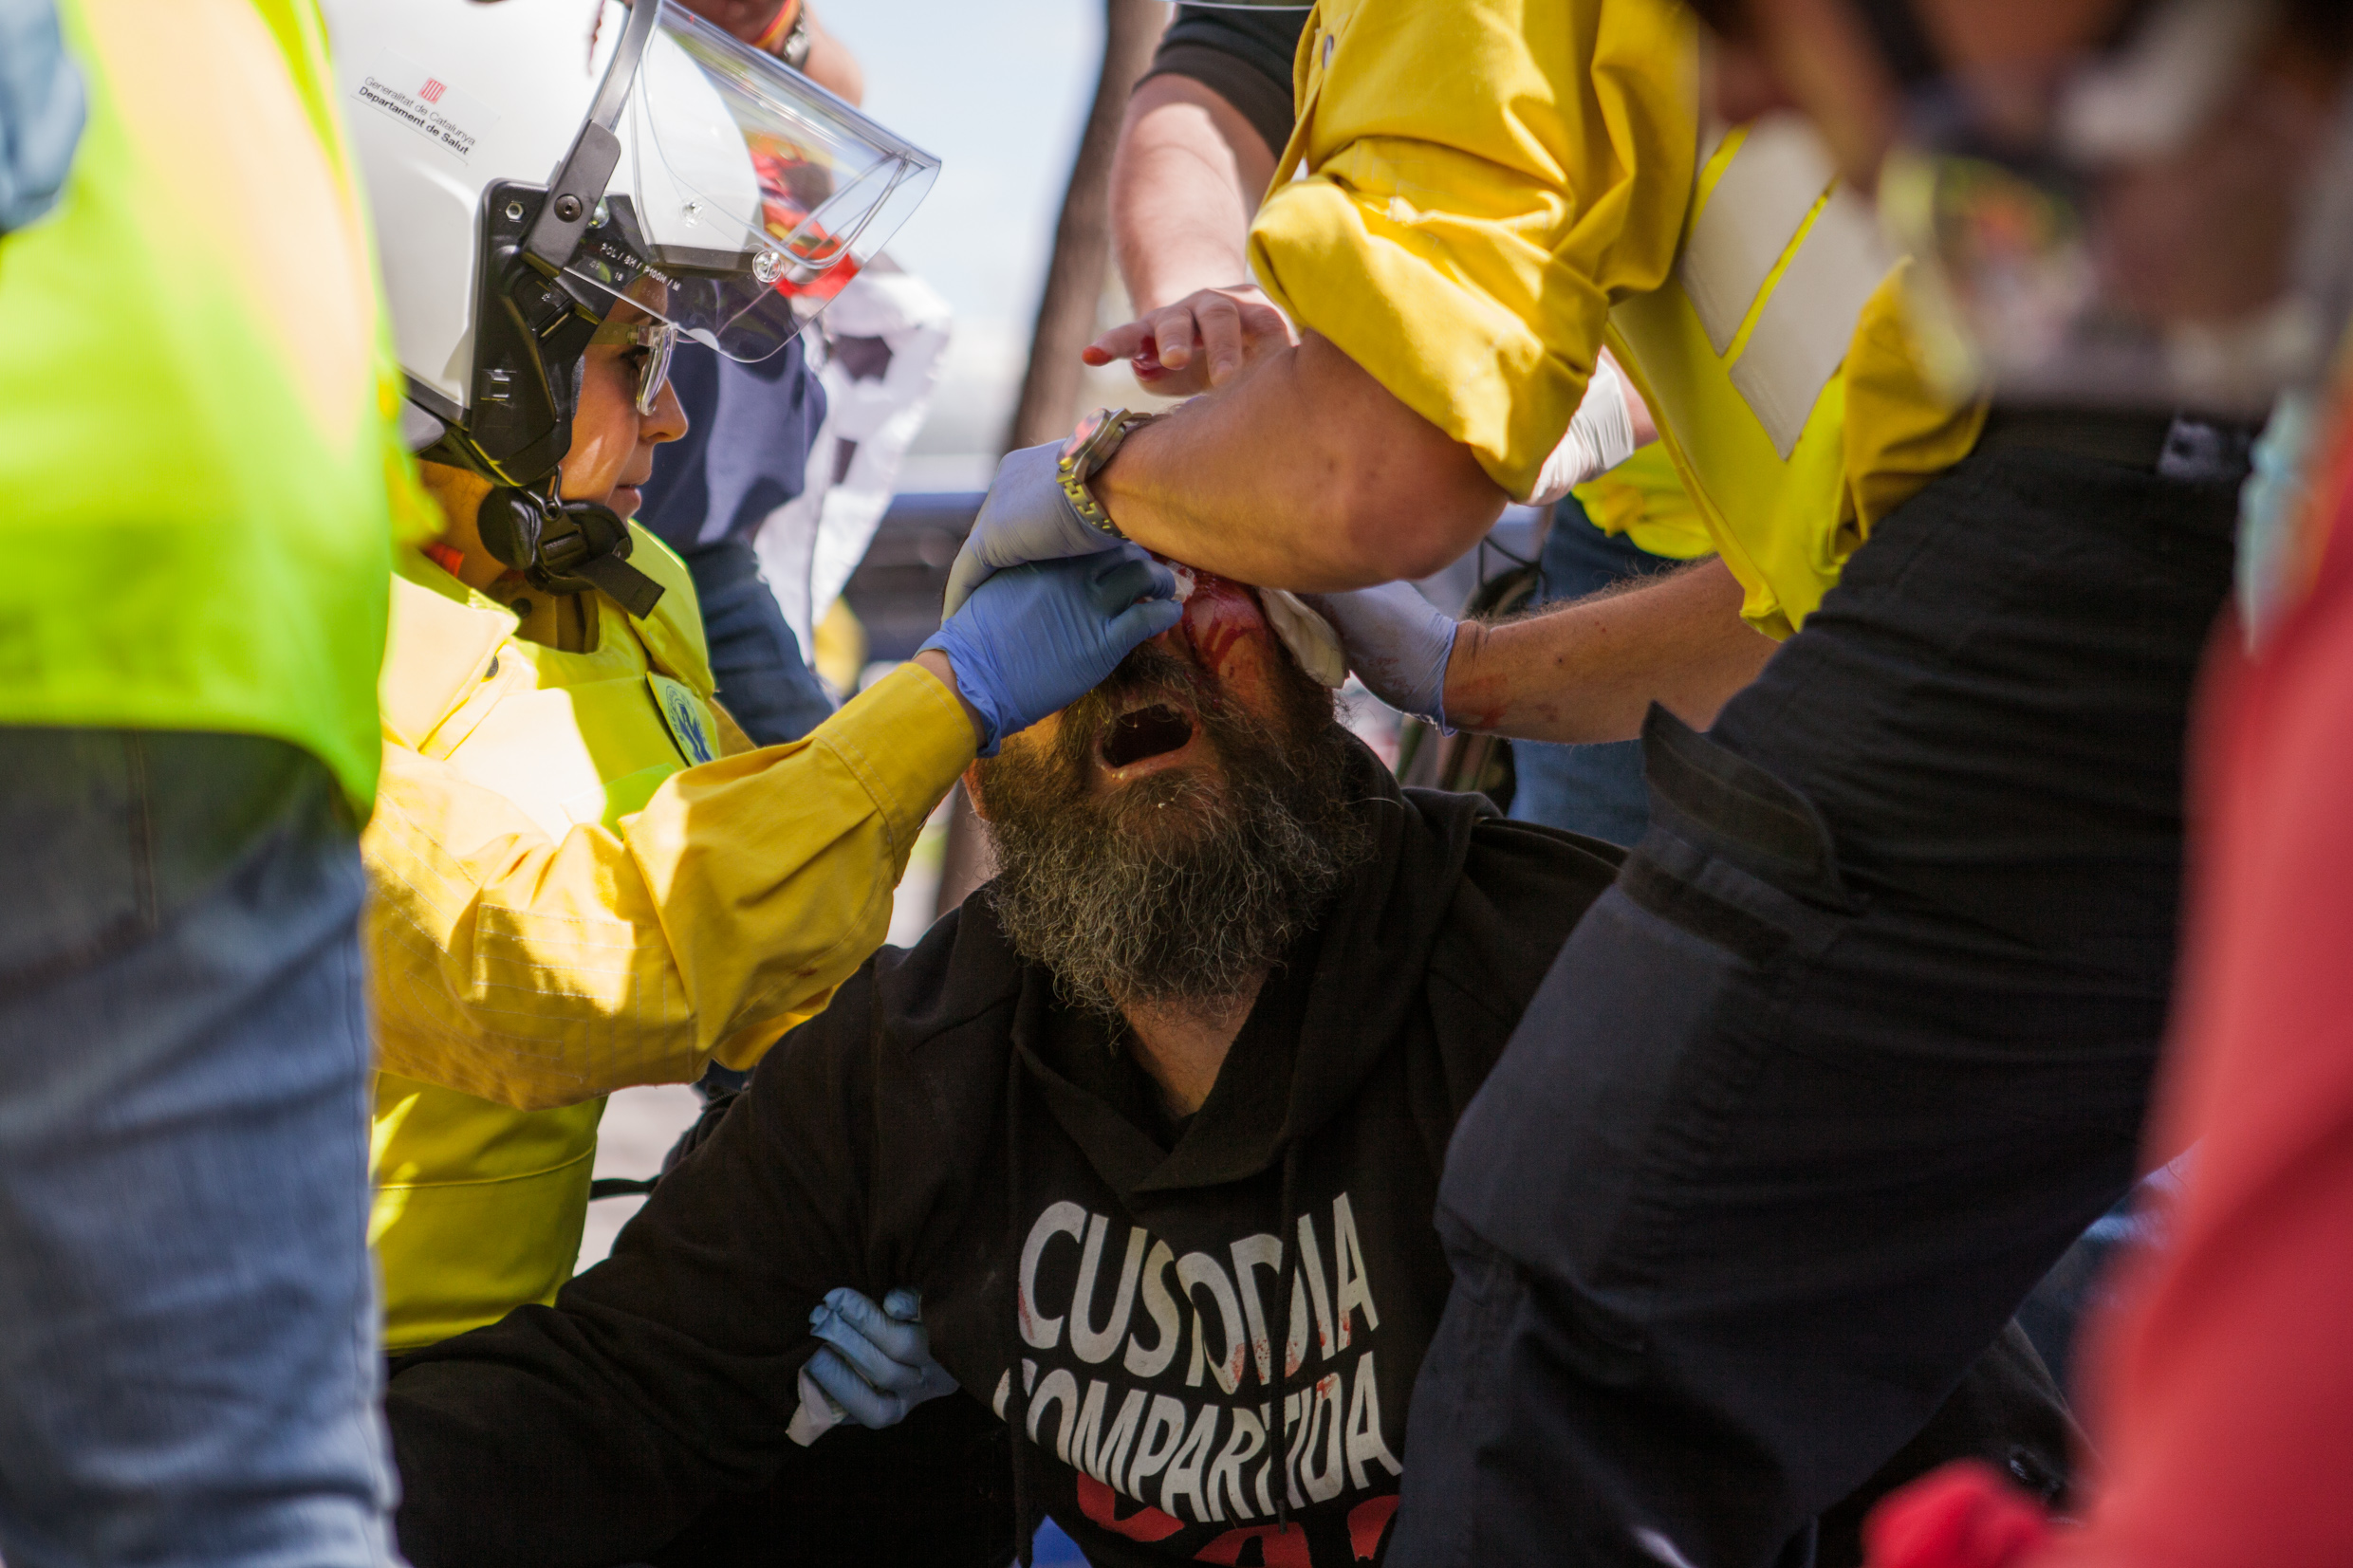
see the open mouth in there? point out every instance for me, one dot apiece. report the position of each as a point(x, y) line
point(1142, 733)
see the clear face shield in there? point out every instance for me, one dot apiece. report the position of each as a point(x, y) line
point(2018, 200)
point(711, 192)
point(744, 198)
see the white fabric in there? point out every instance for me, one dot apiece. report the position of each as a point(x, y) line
point(1309, 636)
point(809, 547)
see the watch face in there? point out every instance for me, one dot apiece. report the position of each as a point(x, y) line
point(1086, 433)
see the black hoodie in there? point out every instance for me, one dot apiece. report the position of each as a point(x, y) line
point(946, 1124)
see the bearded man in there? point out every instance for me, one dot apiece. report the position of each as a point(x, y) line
point(1154, 1123)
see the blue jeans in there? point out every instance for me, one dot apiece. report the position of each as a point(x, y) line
point(1591, 789)
point(189, 1368)
point(763, 680)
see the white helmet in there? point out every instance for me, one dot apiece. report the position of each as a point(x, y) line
point(532, 162)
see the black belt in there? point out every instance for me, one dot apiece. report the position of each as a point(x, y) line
point(2172, 445)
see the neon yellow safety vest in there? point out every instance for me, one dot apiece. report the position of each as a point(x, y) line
point(479, 1206)
point(198, 446)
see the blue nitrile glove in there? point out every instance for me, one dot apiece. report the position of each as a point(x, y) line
point(1035, 638)
point(1023, 517)
point(1397, 642)
point(42, 108)
point(875, 1364)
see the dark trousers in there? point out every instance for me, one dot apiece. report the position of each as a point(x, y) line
point(935, 1491)
point(1856, 1047)
point(763, 679)
point(1595, 790)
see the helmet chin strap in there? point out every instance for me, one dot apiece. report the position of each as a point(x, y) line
point(564, 547)
point(532, 323)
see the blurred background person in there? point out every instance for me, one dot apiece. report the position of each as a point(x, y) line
point(749, 430)
point(201, 472)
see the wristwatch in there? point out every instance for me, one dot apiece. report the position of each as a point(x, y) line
point(787, 36)
point(1083, 457)
point(796, 48)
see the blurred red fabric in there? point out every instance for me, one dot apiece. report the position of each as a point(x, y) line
point(1964, 1515)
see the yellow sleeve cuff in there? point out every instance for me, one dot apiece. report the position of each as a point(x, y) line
point(899, 738)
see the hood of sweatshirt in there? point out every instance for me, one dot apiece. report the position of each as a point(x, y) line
point(1325, 1019)
point(1197, 1311)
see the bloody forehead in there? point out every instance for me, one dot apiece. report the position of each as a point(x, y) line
point(1220, 615)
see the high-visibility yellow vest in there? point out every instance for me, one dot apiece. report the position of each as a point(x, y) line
point(479, 1206)
point(200, 453)
point(1740, 355)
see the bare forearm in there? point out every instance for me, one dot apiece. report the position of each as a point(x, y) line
point(1188, 174)
point(832, 66)
point(1590, 671)
point(1301, 472)
point(829, 64)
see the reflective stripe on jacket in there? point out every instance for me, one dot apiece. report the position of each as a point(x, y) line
point(1471, 235)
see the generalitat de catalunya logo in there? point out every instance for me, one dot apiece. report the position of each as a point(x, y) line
point(440, 113)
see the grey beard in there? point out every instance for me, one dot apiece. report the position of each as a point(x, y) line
point(1178, 888)
point(1121, 917)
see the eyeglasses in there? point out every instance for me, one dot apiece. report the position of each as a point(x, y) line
point(660, 341)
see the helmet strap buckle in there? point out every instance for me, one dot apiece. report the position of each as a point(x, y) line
point(564, 547)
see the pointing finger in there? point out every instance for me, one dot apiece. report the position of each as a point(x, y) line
point(1221, 335)
point(1171, 329)
point(1120, 342)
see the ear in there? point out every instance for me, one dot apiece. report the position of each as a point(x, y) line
point(972, 792)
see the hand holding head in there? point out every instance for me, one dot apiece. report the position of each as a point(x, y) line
point(1165, 837)
point(1034, 638)
point(1397, 642)
point(1024, 517)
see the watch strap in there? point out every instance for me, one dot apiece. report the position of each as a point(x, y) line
point(786, 37)
point(1091, 446)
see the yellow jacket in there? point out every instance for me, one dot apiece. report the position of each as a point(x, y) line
point(1487, 191)
point(568, 898)
point(1644, 498)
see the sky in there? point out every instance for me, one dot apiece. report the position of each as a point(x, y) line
point(998, 92)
